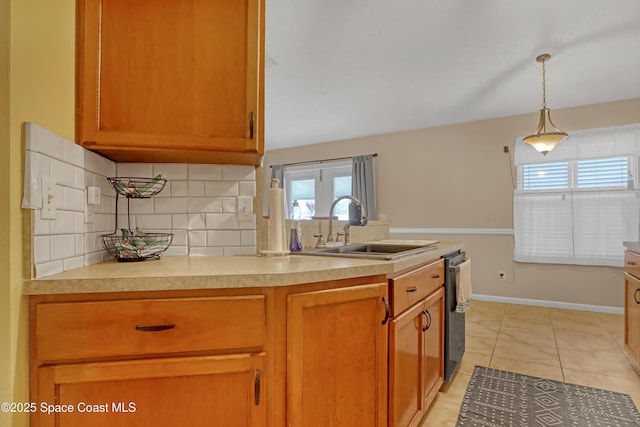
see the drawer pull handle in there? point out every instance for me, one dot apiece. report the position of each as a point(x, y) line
point(154, 328)
point(412, 289)
point(635, 296)
point(251, 120)
point(436, 276)
point(256, 388)
point(631, 263)
point(428, 323)
point(387, 310)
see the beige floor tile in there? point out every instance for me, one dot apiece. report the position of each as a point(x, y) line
point(629, 385)
point(579, 326)
point(528, 353)
point(525, 336)
point(614, 323)
point(470, 360)
point(483, 311)
point(527, 311)
point(441, 414)
point(483, 345)
point(455, 391)
point(483, 329)
point(528, 368)
point(575, 316)
point(530, 324)
point(611, 364)
point(618, 337)
point(583, 341)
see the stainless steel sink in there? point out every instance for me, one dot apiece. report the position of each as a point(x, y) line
point(382, 251)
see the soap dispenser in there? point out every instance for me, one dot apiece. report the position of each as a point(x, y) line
point(295, 235)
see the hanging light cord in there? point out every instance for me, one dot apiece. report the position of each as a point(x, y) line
point(544, 87)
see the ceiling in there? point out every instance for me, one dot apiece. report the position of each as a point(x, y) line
point(338, 69)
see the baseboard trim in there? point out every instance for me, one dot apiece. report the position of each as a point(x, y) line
point(550, 304)
point(482, 231)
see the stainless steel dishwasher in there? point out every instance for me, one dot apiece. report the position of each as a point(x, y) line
point(454, 322)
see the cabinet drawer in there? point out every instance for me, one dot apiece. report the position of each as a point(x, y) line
point(411, 287)
point(134, 327)
point(632, 263)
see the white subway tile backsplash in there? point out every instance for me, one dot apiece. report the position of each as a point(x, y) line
point(223, 238)
point(170, 205)
point(49, 268)
point(180, 221)
point(73, 153)
point(221, 221)
point(247, 188)
point(208, 251)
point(73, 199)
point(178, 188)
point(197, 238)
point(238, 173)
point(204, 172)
point(63, 246)
point(171, 171)
point(221, 188)
point(196, 222)
point(71, 263)
point(205, 205)
point(195, 188)
point(138, 170)
point(198, 205)
point(41, 249)
point(229, 204)
point(153, 222)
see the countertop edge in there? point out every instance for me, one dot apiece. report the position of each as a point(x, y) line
point(305, 269)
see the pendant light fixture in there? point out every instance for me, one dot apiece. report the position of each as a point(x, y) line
point(547, 135)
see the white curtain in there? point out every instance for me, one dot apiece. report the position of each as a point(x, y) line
point(577, 225)
point(363, 183)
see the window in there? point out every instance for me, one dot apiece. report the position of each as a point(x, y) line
point(315, 186)
point(578, 204)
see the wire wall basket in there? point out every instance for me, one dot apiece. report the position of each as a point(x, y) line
point(126, 244)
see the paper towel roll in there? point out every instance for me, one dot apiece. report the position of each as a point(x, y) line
point(277, 238)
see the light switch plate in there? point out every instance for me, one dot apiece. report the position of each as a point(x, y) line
point(245, 208)
point(48, 199)
point(94, 195)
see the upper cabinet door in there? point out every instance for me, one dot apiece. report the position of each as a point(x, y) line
point(171, 80)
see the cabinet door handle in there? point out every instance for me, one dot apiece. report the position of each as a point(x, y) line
point(251, 119)
point(387, 310)
point(428, 323)
point(635, 296)
point(256, 387)
point(412, 289)
point(154, 328)
point(435, 276)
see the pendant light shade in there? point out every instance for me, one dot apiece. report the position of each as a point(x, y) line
point(547, 135)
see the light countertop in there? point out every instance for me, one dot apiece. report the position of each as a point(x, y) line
point(181, 273)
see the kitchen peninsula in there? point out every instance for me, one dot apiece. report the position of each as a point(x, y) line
point(243, 340)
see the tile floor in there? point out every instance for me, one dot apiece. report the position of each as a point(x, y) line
point(578, 347)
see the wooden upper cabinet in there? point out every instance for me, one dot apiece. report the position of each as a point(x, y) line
point(171, 80)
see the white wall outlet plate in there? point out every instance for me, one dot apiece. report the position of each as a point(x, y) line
point(48, 199)
point(245, 208)
point(94, 195)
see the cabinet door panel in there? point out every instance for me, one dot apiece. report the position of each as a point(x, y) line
point(433, 371)
point(185, 391)
point(405, 360)
point(632, 317)
point(337, 357)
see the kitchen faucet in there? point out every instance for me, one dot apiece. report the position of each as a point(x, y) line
point(362, 220)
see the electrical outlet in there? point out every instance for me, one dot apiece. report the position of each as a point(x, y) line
point(245, 208)
point(48, 199)
point(505, 149)
point(501, 275)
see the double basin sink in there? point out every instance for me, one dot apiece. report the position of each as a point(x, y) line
point(381, 251)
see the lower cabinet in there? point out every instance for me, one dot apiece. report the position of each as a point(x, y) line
point(184, 391)
point(337, 357)
point(416, 369)
point(632, 318)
